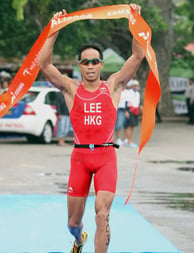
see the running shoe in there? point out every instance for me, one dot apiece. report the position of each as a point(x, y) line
point(131, 145)
point(119, 141)
point(78, 248)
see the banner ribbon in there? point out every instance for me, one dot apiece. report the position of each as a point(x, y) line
point(141, 31)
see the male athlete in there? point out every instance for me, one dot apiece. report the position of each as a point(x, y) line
point(93, 108)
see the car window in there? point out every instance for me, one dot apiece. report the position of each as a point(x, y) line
point(30, 96)
point(50, 98)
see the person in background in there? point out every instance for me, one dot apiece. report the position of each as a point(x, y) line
point(4, 84)
point(189, 95)
point(158, 116)
point(63, 123)
point(120, 116)
point(132, 110)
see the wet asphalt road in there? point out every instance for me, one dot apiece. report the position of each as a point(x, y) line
point(164, 185)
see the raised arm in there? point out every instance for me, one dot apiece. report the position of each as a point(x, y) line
point(132, 64)
point(64, 83)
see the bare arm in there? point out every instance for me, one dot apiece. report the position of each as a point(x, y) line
point(130, 66)
point(119, 79)
point(64, 83)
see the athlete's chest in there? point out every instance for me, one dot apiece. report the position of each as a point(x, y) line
point(92, 108)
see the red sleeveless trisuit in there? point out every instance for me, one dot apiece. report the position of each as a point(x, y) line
point(93, 118)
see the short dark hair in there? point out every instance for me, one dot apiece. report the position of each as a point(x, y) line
point(87, 46)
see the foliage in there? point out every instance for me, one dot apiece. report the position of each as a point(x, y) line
point(27, 18)
point(183, 34)
point(18, 5)
point(181, 67)
point(15, 38)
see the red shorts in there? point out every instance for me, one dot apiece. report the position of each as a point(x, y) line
point(101, 162)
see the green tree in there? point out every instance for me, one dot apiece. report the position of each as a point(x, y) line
point(16, 36)
point(37, 13)
point(183, 34)
point(27, 18)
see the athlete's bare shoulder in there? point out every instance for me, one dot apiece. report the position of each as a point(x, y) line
point(66, 84)
point(113, 84)
point(69, 88)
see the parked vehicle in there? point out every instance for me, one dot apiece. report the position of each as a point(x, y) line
point(34, 116)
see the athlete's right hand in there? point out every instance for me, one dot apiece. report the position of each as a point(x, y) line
point(59, 14)
point(56, 16)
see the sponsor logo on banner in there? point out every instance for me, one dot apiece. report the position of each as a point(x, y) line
point(146, 37)
point(13, 97)
point(19, 88)
point(28, 71)
point(16, 93)
point(122, 12)
point(2, 106)
point(62, 20)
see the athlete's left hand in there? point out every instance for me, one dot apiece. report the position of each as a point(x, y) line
point(136, 7)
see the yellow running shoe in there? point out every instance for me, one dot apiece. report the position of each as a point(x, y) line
point(78, 248)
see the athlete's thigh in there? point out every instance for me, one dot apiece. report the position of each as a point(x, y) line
point(80, 177)
point(105, 178)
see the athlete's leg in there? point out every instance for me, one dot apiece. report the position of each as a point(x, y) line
point(128, 134)
point(77, 192)
point(102, 207)
point(76, 207)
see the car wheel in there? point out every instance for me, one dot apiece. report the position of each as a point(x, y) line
point(47, 133)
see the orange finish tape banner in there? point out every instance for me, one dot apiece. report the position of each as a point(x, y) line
point(29, 70)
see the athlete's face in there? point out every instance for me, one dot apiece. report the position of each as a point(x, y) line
point(91, 69)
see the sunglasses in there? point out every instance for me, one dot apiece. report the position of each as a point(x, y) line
point(93, 61)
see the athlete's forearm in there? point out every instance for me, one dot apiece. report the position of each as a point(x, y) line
point(137, 50)
point(46, 52)
point(45, 63)
point(129, 69)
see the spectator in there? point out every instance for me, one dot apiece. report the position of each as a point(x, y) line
point(189, 95)
point(132, 109)
point(158, 116)
point(63, 124)
point(120, 116)
point(4, 84)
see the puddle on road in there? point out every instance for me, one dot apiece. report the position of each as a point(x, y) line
point(182, 201)
point(174, 161)
point(191, 169)
point(62, 187)
point(185, 168)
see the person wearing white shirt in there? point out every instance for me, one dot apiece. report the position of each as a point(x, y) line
point(132, 109)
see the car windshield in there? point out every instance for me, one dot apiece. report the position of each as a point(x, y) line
point(30, 96)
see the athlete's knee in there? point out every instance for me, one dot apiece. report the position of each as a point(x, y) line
point(102, 218)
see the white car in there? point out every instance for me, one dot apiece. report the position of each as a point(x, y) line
point(34, 116)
